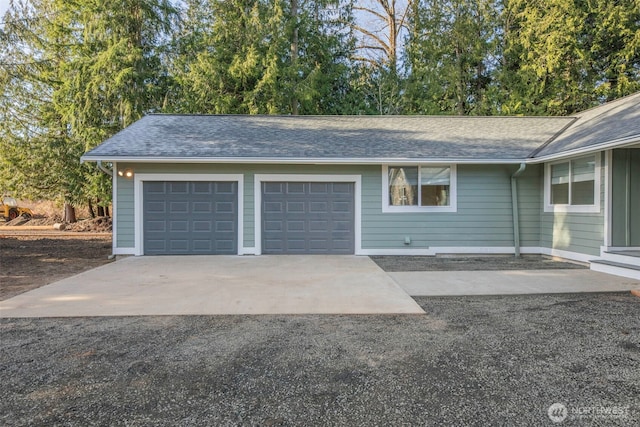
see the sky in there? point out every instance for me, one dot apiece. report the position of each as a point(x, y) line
point(4, 5)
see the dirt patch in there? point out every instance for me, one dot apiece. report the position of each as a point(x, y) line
point(30, 259)
point(470, 263)
point(93, 225)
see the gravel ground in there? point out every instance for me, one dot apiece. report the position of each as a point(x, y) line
point(469, 361)
point(391, 263)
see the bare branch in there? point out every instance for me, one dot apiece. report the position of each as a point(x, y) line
point(373, 36)
point(371, 11)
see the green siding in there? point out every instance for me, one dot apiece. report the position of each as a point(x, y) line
point(483, 217)
point(125, 232)
point(574, 232)
point(530, 205)
point(625, 198)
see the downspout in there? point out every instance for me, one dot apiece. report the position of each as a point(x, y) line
point(514, 208)
point(103, 169)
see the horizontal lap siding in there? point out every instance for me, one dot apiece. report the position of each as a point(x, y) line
point(530, 205)
point(483, 217)
point(125, 231)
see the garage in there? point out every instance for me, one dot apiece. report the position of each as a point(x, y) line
point(308, 218)
point(190, 217)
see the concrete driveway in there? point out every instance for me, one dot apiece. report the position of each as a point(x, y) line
point(509, 282)
point(316, 284)
point(206, 285)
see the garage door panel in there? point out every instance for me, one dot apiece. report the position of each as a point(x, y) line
point(293, 225)
point(272, 187)
point(178, 188)
point(342, 188)
point(273, 207)
point(155, 187)
point(156, 226)
point(202, 226)
point(202, 246)
point(273, 226)
point(295, 188)
point(341, 207)
point(198, 220)
point(201, 207)
point(156, 207)
point(178, 207)
point(319, 188)
point(319, 226)
point(314, 218)
point(178, 226)
point(227, 226)
point(318, 207)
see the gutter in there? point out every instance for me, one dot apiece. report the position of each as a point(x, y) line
point(302, 160)
point(514, 208)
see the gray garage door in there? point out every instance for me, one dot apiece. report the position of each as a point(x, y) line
point(190, 217)
point(308, 217)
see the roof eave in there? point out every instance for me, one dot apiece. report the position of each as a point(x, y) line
point(298, 160)
point(618, 143)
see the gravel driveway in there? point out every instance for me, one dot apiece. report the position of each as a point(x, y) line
point(469, 361)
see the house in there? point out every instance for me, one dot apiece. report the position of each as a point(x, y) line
point(368, 185)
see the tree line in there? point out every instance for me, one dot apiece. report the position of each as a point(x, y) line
point(74, 72)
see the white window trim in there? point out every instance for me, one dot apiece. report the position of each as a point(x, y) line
point(257, 190)
point(140, 178)
point(595, 208)
point(453, 192)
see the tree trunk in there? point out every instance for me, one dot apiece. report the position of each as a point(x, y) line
point(101, 211)
point(294, 54)
point(69, 213)
point(91, 211)
point(106, 211)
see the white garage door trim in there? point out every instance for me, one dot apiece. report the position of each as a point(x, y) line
point(140, 178)
point(257, 191)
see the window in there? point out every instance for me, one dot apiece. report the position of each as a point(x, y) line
point(419, 188)
point(573, 185)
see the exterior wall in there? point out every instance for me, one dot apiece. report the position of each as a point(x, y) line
point(581, 233)
point(530, 205)
point(483, 218)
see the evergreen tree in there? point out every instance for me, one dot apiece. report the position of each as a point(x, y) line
point(563, 56)
point(262, 57)
point(72, 74)
point(451, 54)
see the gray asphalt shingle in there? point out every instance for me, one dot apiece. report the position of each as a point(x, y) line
point(329, 137)
point(609, 122)
point(364, 138)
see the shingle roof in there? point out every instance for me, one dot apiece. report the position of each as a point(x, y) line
point(358, 138)
point(609, 122)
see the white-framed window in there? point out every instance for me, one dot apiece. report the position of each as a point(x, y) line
point(419, 188)
point(573, 185)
